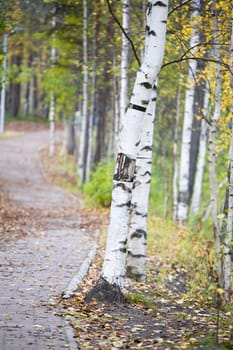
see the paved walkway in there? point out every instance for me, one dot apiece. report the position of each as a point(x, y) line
point(41, 266)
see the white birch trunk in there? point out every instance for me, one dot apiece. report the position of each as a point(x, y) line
point(84, 121)
point(183, 196)
point(212, 154)
point(114, 263)
point(137, 236)
point(116, 107)
point(52, 102)
point(175, 155)
point(125, 58)
point(196, 198)
point(52, 124)
point(92, 111)
point(3, 89)
point(228, 239)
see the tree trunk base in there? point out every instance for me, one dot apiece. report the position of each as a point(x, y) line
point(105, 292)
point(133, 274)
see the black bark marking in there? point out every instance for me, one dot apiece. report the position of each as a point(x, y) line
point(147, 173)
point(160, 3)
point(136, 183)
point(145, 102)
point(150, 32)
point(138, 234)
point(127, 204)
point(136, 255)
point(147, 148)
point(146, 85)
point(140, 214)
point(137, 107)
point(125, 169)
point(123, 186)
point(123, 250)
point(123, 242)
point(154, 99)
point(137, 143)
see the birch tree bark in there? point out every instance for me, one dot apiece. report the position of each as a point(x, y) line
point(3, 81)
point(84, 122)
point(212, 152)
point(183, 196)
point(228, 239)
point(175, 153)
point(52, 102)
point(110, 284)
point(125, 58)
point(137, 236)
point(92, 111)
point(196, 197)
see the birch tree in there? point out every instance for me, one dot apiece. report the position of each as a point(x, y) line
point(110, 284)
point(212, 150)
point(228, 239)
point(175, 153)
point(137, 235)
point(92, 111)
point(183, 195)
point(124, 58)
point(84, 121)
point(52, 100)
point(3, 82)
point(196, 197)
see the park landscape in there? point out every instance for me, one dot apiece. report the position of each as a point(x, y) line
point(116, 175)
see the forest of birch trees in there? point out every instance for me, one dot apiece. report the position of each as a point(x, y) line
point(74, 63)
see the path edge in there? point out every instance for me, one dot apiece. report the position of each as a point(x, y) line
point(70, 290)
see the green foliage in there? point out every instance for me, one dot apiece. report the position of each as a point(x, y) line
point(100, 186)
point(140, 299)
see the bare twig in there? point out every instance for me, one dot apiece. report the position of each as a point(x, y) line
point(124, 32)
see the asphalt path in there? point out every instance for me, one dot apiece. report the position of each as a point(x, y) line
point(37, 269)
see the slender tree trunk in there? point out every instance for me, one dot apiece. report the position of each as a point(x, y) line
point(175, 154)
point(52, 102)
point(228, 239)
point(116, 106)
point(101, 124)
point(3, 81)
point(70, 136)
point(196, 197)
point(212, 152)
point(196, 125)
point(125, 58)
point(92, 111)
point(110, 284)
point(183, 196)
point(52, 124)
point(84, 125)
point(137, 236)
point(14, 106)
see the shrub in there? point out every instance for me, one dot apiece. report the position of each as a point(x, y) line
point(99, 189)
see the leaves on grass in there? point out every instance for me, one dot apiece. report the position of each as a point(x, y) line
point(151, 319)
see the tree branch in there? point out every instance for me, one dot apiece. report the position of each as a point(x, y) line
point(182, 58)
point(178, 7)
point(124, 32)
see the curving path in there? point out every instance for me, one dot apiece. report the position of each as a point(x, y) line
point(35, 269)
